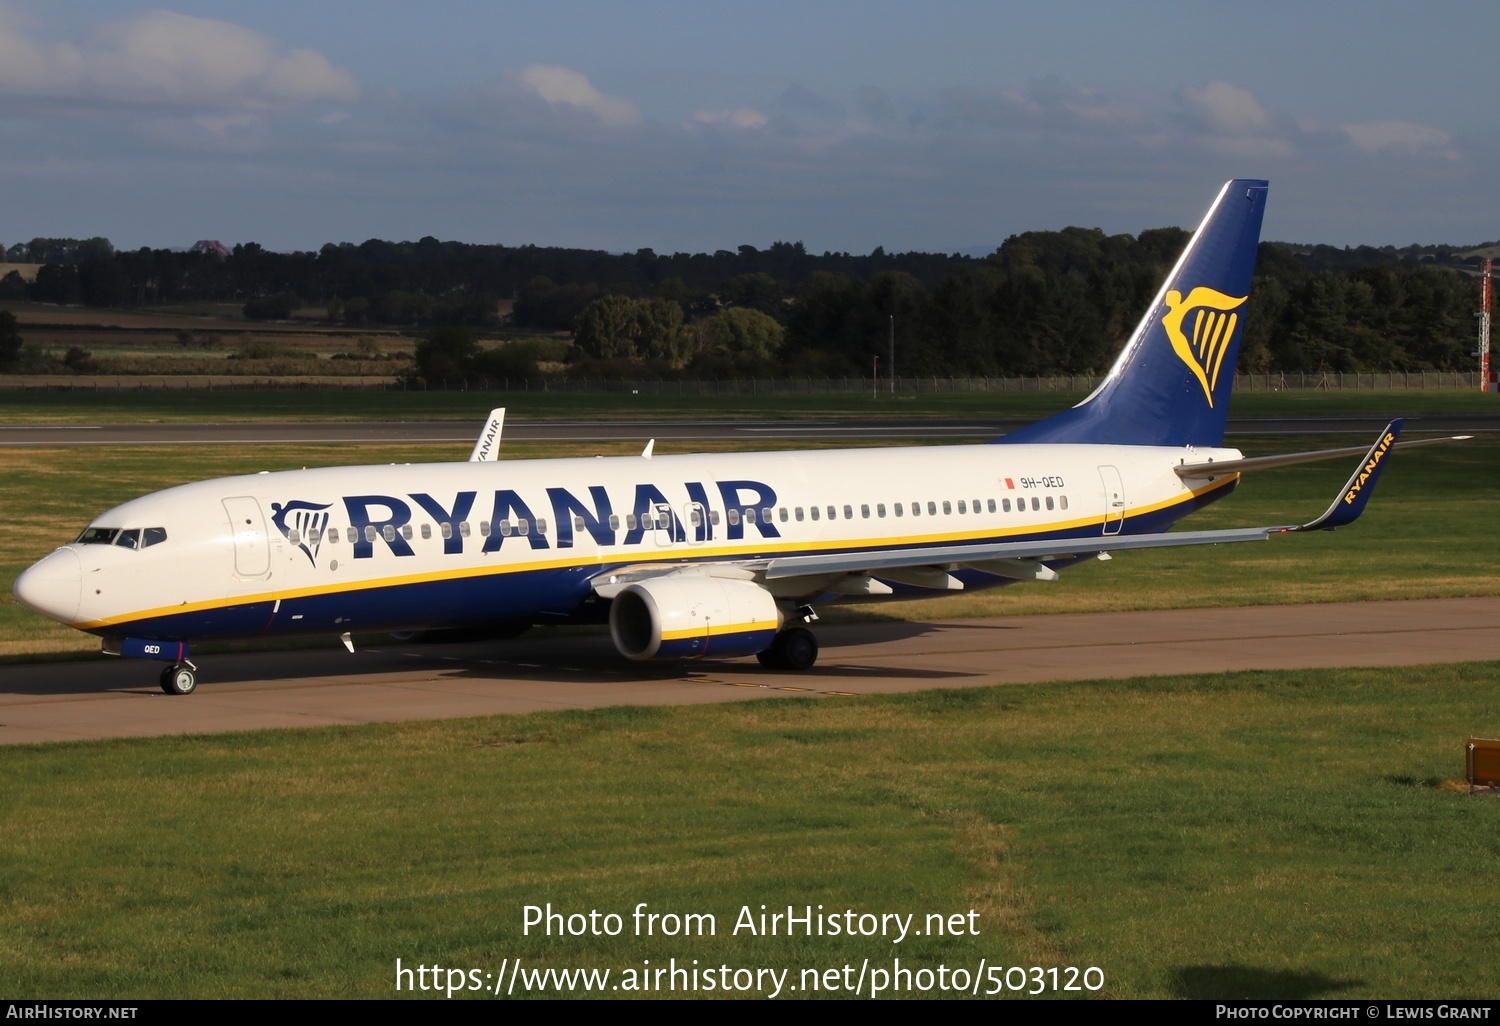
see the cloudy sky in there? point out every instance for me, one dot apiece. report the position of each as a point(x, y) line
point(844, 124)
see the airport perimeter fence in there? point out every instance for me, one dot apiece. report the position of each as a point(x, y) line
point(1076, 383)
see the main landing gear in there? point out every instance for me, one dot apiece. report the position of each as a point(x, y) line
point(795, 648)
point(179, 678)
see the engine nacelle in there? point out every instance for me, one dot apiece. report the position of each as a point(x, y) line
point(688, 617)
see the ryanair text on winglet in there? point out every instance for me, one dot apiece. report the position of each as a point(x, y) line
point(1369, 468)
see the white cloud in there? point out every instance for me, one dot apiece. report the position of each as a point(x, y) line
point(559, 85)
point(161, 57)
point(739, 117)
point(1401, 135)
point(1226, 109)
point(1047, 104)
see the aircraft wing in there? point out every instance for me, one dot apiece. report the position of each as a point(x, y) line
point(1006, 558)
point(928, 566)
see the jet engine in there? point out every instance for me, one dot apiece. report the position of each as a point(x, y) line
point(686, 617)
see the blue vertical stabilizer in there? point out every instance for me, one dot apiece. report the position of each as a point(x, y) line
point(1171, 383)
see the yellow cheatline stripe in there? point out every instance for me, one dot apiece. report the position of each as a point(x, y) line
point(599, 557)
point(719, 630)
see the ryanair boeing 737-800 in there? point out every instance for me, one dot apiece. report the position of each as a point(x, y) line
point(689, 556)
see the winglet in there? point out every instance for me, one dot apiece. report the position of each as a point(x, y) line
point(487, 449)
point(1357, 490)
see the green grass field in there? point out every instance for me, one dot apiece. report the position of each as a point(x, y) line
point(1292, 835)
point(1246, 835)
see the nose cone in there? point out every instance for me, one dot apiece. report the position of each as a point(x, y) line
point(52, 586)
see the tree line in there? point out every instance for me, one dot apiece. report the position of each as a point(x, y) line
point(1053, 302)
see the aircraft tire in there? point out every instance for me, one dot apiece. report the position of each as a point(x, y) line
point(795, 649)
point(798, 647)
point(178, 680)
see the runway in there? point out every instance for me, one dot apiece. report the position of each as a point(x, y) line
point(119, 698)
point(461, 433)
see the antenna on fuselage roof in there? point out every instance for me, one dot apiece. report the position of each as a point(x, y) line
point(487, 448)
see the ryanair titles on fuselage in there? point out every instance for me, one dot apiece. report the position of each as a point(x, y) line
point(380, 518)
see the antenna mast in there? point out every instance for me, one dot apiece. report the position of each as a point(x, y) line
point(1484, 325)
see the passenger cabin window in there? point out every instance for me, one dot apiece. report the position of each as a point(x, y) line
point(1005, 505)
point(734, 517)
point(1062, 500)
point(614, 521)
point(992, 505)
point(947, 507)
point(849, 513)
point(765, 515)
point(916, 509)
point(880, 509)
point(864, 511)
point(293, 536)
point(484, 528)
point(333, 535)
point(388, 532)
point(1036, 503)
point(370, 532)
point(713, 517)
point(814, 511)
point(798, 512)
point(1049, 502)
point(833, 513)
point(781, 510)
point(962, 508)
point(463, 528)
point(898, 509)
point(427, 531)
point(931, 508)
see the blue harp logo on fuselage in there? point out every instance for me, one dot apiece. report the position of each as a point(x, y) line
point(307, 519)
point(1201, 328)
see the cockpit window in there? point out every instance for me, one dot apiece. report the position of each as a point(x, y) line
point(132, 538)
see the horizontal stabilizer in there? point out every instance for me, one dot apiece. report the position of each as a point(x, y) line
point(1202, 470)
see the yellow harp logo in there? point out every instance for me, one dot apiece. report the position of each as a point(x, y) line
point(1213, 323)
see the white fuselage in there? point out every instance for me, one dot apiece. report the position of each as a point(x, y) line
point(430, 545)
